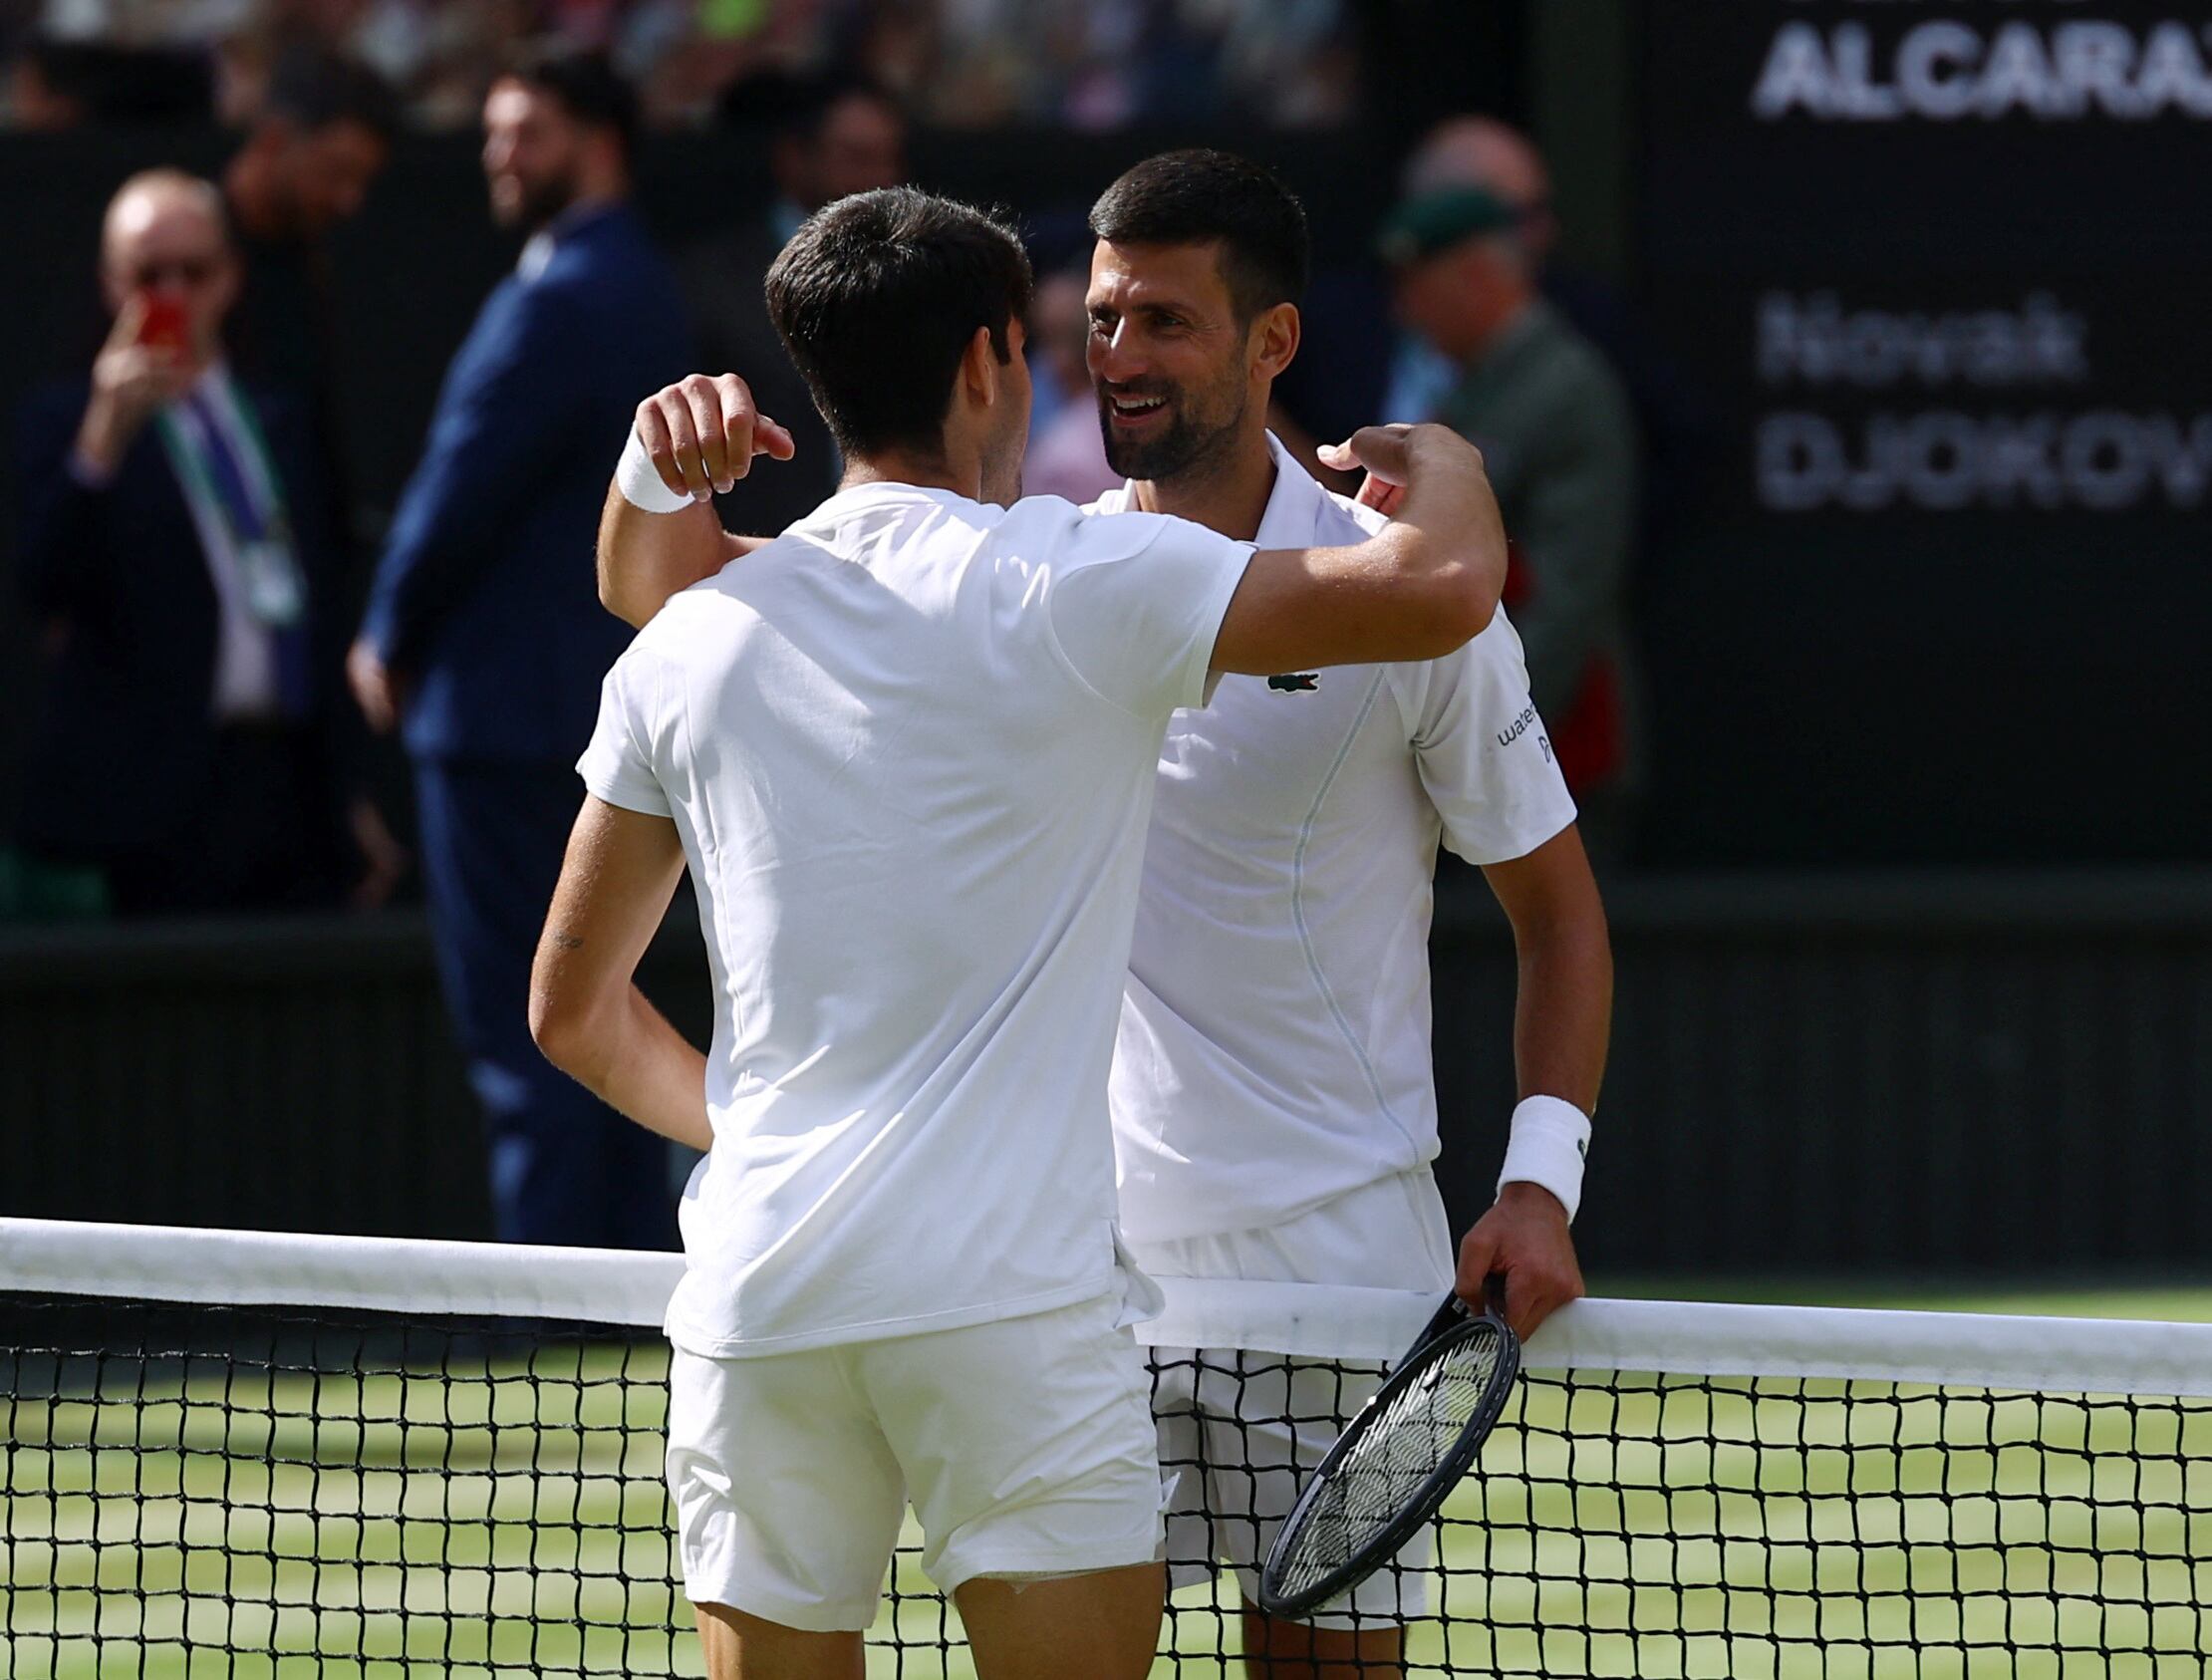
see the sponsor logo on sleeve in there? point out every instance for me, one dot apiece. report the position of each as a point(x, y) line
point(1292, 682)
point(1519, 726)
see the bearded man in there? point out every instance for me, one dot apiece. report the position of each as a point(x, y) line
point(483, 642)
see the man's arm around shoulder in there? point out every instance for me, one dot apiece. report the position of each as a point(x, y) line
point(1417, 589)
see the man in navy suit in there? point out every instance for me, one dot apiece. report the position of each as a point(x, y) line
point(173, 551)
point(483, 637)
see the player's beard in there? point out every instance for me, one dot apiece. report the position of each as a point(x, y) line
point(1196, 436)
point(539, 203)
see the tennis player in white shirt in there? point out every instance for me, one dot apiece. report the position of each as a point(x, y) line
point(1274, 1109)
point(1273, 1100)
point(907, 751)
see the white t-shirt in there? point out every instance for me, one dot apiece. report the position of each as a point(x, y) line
point(909, 747)
point(1273, 1051)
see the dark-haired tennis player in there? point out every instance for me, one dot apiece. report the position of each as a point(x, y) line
point(907, 751)
point(1274, 1102)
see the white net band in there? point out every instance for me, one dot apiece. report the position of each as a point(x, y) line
point(1690, 1339)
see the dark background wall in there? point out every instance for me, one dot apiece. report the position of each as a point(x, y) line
point(1950, 596)
point(1808, 1074)
point(1899, 612)
point(1913, 650)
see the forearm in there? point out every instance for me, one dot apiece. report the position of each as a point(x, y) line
point(637, 1063)
point(644, 558)
point(1564, 1008)
point(428, 569)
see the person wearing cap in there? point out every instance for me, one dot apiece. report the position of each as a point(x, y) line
point(1556, 429)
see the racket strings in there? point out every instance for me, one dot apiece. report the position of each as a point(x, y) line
point(1391, 1461)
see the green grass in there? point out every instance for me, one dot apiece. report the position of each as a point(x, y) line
point(176, 1523)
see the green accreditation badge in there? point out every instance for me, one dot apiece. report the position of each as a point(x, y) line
point(214, 442)
point(270, 580)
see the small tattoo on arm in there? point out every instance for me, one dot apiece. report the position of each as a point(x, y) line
point(567, 940)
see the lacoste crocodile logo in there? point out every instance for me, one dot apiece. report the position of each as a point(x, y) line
point(1292, 682)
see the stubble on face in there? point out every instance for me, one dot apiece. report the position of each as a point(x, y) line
point(532, 158)
point(1201, 430)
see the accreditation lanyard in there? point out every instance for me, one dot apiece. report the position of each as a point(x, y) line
point(222, 461)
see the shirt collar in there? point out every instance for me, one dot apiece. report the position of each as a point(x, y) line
point(859, 497)
point(1293, 512)
point(213, 387)
point(538, 249)
point(1293, 508)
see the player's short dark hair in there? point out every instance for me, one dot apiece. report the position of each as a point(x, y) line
point(1201, 196)
point(876, 297)
point(586, 85)
point(313, 88)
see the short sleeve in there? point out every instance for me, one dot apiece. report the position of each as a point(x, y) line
point(618, 765)
point(1482, 749)
point(1135, 601)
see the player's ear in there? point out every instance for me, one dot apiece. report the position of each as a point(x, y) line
point(980, 370)
point(1274, 339)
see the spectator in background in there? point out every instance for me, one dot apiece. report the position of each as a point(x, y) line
point(1482, 152)
point(1557, 432)
point(484, 638)
point(321, 139)
point(173, 552)
point(56, 85)
point(827, 139)
point(323, 134)
point(1067, 450)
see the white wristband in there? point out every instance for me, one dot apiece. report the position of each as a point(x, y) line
point(639, 482)
point(1546, 1146)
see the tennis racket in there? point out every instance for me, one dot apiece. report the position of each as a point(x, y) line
point(1396, 1462)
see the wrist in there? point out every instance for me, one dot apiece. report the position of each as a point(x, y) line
point(99, 443)
point(1545, 1148)
point(640, 481)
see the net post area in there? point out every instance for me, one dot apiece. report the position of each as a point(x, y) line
point(228, 1454)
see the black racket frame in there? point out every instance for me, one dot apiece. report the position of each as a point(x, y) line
point(1452, 1326)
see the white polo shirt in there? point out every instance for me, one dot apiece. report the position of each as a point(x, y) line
point(1273, 1051)
point(910, 749)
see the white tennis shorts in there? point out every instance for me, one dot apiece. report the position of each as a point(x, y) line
point(1239, 1430)
point(1025, 1446)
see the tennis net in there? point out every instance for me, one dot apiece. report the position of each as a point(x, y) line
point(228, 1454)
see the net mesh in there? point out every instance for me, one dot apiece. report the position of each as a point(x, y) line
point(222, 1489)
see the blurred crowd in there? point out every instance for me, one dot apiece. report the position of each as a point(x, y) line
point(1086, 64)
point(228, 645)
point(247, 697)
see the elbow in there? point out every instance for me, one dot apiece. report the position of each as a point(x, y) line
point(563, 1027)
point(1459, 608)
point(1483, 587)
point(1473, 602)
point(612, 595)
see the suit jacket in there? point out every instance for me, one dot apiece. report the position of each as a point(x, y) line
point(123, 733)
point(722, 281)
point(484, 601)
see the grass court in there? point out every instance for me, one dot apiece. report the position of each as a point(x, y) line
point(188, 1519)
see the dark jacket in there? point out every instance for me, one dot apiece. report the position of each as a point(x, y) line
point(484, 603)
point(117, 582)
